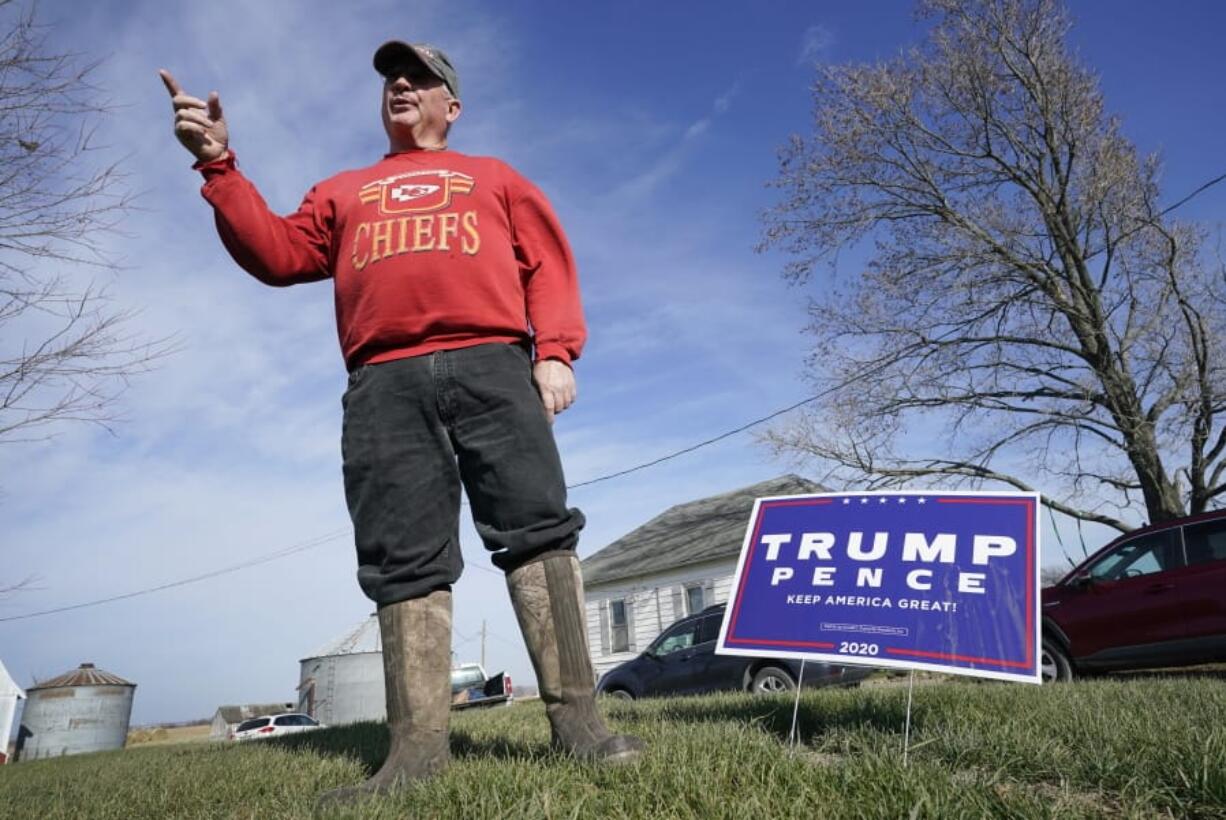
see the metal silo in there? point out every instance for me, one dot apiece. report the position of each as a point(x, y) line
point(342, 682)
point(85, 710)
point(10, 693)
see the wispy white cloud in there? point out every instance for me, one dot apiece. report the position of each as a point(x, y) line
point(815, 45)
point(232, 447)
point(670, 161)
point(724, 101)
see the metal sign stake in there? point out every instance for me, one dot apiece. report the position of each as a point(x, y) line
point(793, 735)
point(906, 737)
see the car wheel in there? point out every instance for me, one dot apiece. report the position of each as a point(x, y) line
point(771, 679)
point(1054, 663)
point(619, 694)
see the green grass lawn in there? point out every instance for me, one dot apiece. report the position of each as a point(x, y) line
point(1105, 748)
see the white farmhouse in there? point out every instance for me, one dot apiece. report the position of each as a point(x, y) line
point(678, 563)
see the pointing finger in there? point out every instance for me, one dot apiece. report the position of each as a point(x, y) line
point(214, 105)
point(168, 79)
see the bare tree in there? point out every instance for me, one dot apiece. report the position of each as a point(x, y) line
point(1048, 576)
point(10, 588)
point(1028, 316)
point(65, 350)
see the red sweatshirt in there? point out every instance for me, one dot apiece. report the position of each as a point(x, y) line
point(429, 250)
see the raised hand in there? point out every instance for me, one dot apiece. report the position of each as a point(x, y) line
point(199, 125)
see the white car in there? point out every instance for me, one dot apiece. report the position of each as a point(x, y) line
point(275, 726)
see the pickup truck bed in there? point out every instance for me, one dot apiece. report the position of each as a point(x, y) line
point(495, 690)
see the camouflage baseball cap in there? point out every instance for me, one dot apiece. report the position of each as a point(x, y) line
point(396, 53)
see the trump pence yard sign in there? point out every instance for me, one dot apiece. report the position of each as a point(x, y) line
point(944, 581)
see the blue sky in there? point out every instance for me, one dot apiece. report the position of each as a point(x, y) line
point(653, 129)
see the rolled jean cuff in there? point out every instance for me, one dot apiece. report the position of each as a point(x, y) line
point(513, 549)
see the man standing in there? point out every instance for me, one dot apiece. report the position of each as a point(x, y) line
point(458, 312)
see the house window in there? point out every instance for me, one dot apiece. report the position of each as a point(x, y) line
point(694, 599)
point(618, 627)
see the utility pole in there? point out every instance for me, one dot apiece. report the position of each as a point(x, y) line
point(482, 643)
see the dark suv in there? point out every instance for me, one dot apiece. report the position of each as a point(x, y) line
point(682, 660)
point(1154, 597)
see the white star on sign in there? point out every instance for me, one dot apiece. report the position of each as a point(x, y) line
point(863, 500)
point(846, 500)
point(902, 500)
point(923, 501)
point(883, 500)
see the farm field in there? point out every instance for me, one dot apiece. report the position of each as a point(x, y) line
point(1153, 747)
point(169, 734)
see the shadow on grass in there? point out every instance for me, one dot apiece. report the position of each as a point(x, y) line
point(369, 742)
point(1217, 672)
point(773, 715)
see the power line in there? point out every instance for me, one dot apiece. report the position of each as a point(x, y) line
point(701, 444)
point(273, 556)
point(320, 540)
point(1195, 193)
point(323, 539)
point(515, 644)
point(1153, 219)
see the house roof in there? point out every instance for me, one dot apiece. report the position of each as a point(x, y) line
point(237, 714)
point(84, 675)
point(362, 638)
point(692, 533)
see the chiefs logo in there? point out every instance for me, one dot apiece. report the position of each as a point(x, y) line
point(416, 191)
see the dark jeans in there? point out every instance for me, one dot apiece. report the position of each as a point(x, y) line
point(413, 430)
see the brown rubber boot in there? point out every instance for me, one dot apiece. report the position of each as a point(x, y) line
point(548, 597)
point(416, 638)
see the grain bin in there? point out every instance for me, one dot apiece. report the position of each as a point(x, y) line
point(85, 710)
point(10, 693)
point(342, 682)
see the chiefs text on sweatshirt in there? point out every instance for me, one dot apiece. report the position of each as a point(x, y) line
point(428, 250)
